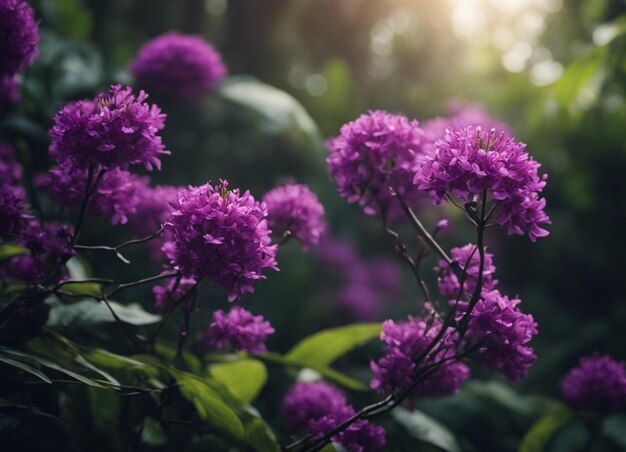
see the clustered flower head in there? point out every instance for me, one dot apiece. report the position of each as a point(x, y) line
point(152, 211)
point(363, 287)
point(114, 196)
point(13, 213)
point(318, 407)
point(18, 36)
point(222, 235)
point(116, 129)
point(466, 258)
point(597, 384)
point(240, 329)
point(172, 292)
point(471, 160)
point(49, 247)
point(178, 66)
point(372, 153)
point(295, 208)
point(405, 342)
point(503, 332)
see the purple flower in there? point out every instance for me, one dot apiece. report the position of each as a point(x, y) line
point(10, 169)
point(221, 235)
point(165, 295)
point(462, 116)
point(240, 328)
point(116, 129)
point(9, 93)
point(50, 248)
point(467, 258)
point(503, 332)
point(318, 407)
point(115, 196)
point(597, 384)
point(405, 342)
point(18, 36)
point(153, 210)
point(469, 161)
point(177, 66)
point(374, 152)
point(308, 401)
point(295, 208)
point(13, 213)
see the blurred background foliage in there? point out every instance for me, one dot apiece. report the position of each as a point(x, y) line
point(554, 69)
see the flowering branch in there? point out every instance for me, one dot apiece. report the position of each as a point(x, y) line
point(116, 249)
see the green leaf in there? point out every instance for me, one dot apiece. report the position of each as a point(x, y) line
point(244, 379)
point(327, 372)
point(84, 288)
point(90, 312)
point(540, 434)
point(502, 394)
point(278, 111)
point(209, 405)
point(152, 433)
point(9, 251)
point(321, 349)
point(25, 367)
point(260, 436)
point(426, 429)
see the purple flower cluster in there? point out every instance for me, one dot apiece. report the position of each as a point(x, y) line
point(372, 153)
point(177, 66)
point(49, 246)
point(362, 287)
point(171, 292)
point(467, 259)
point(222, 235)
point(295, 208)
point(469, 161)
point(502, 333)
point(406, 341)
point(9, 93)
point(116, 129)
point(318, 407)
point(18, 36)
point(240, 329)
point(114, 196)
point(597, 384)
point(13, 215)
point(153, 210)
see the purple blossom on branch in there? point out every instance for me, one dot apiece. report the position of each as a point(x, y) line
point(9, 93)
point(116, 129)
point(115, 196)
point(469, 161)
point(466, 258)
point(240, 329)
point(169, 292)
point(13, 209)
point(597, 384)
point(222, 235)
point(178, 66)
point(376, 151)
point(405, 342)
point(295, 208)
point(503, 333)
point(18, 36)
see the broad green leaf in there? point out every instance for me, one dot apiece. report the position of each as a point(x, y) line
point(321, 349)
point(25, 367)
point(84, 288)
point(540, 434)
point(260, 436)
point(169, 353)
point(209, 405)
point(9, 251)
point(506, 396)
point(426, 429)
point(327, 372)
point(244, 379)
point(278, 111)
point(90, 312)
